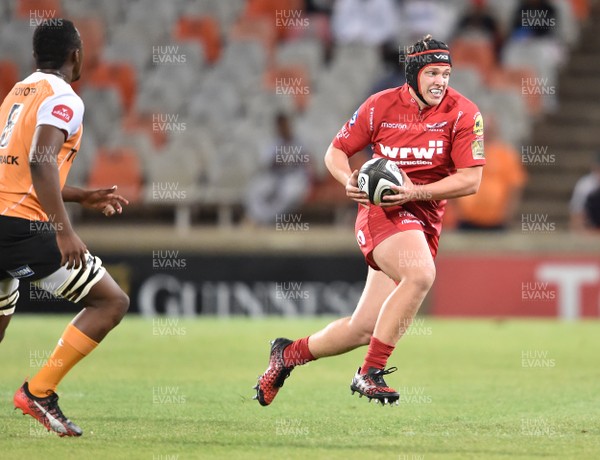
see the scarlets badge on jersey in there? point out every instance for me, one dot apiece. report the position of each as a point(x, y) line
point(478, 125)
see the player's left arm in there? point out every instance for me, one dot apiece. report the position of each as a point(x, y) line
point(105, 200)
point(467, 155)
point(464, 182)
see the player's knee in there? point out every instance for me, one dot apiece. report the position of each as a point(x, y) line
point(423, 278)
point(120, 305)
point(113, 305)
point(361, 333)
point(364, 337)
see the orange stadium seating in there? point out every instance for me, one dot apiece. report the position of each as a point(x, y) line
point(143, 123)
point(121, 76)
point(475, 53)
point(260, 29)
point(40, 9)
point(9, 75)
point(204, 29)
point(92, 34)
point(290, 80)
point(241, 57)
point(117, 166)
point(522, 80)
point(272, 10)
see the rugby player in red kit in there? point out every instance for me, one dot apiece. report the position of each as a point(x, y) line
point(435, 135)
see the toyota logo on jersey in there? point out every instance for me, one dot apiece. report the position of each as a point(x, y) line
point(420, 153)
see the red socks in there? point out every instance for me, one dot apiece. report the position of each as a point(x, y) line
point(377, 355)
point(297, 353)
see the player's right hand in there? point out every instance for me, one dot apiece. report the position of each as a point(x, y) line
point(72, 249)
point(353, 192)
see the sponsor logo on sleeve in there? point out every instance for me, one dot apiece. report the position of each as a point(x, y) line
point(353, 119)
point(478, 124)
point(63, 112)
point(477, 149)
point(343, 133)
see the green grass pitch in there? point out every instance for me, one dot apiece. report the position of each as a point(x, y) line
point(181, 389)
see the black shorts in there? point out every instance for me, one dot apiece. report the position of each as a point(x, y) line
point(28, 248)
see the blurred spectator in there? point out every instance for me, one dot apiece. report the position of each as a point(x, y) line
point(592, 210)
point(393, 72)
point(285, 180)
point(479, 21)
point(504, 177)
point(584, 207)
point(372, 22)
point(534, 18)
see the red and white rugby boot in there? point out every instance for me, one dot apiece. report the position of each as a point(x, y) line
point(373, 386)
point(272, 380)
point(46, 411)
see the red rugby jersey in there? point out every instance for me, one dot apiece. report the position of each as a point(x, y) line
point(427, 144)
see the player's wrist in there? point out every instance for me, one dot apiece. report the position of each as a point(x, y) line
point(420, 193)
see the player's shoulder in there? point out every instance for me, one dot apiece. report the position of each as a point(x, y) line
point(456, 101)
point(52, 86)
point(387, 96)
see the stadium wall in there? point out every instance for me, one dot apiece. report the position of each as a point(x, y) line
point(220, 272)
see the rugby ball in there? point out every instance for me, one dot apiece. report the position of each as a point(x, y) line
point(376, 178)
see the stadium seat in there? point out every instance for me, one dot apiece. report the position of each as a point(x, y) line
point(276, 11)
point(290, 80)
point(544, 56)
point(523, 80)
point(259, 29)
point(117, 166)
point(308, 52)
point(201, 105)
point(128, 43)
point(9, 75)
point(467, 81)
point(103, 112)
point(15, 37)
point(157, 97)
point(38, 10)
point(111, 13)
point(581, 9)
point(327, 194)
point(92, 34)
point(509, 108)
point(478, 54)
point(145, 124)
point(566, 17)
point(119, 75)
point(205, 30)
point(241, 67)
point(318, 28)
point(503, 10)
point(80, 170)
point(139, 141)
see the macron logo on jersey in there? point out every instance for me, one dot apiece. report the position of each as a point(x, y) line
point(63, 112)
point(420, 153)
